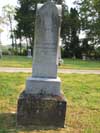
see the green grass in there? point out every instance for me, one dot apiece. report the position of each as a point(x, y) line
point(24, 62)
point(83, 97)
point(15, 61)
point(80, 64)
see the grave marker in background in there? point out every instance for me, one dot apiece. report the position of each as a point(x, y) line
point(29, 53)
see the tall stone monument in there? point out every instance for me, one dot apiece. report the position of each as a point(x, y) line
point(42, 104)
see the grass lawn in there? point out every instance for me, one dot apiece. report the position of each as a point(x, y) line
point(83, 97)
point(22, 61)
point(80, 64)
point(15, 61)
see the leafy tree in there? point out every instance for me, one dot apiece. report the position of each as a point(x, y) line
point(70, 31)
point(90, 20)
point(9, 12)
point(97, 24)
point(25, 17)
point(65, 30)
point(74, 29)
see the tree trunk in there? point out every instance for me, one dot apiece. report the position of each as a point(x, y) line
point(16, 45)
point(27, 44)
point(20, 45)
point(11, 29)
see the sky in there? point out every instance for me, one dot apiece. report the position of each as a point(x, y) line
point(5, 35)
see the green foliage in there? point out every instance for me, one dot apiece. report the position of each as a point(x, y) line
point(69, 33)
point(86, 48)
point(74, 28)
point(4, 49)
point(84, 18)
point(90, 20)
point(97, 51)
point(25, 17)
point(97, 5)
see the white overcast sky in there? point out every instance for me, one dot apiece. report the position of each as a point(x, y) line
point(5, 35)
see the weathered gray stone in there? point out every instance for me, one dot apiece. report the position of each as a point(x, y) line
point(46, 41)
point(42, 103)
point(59, 7)
point(43, 85)
point(29, 53)
point(46, 45)
point(40, 110)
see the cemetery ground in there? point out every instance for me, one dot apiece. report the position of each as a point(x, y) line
point(83, 97)
point(25, 62)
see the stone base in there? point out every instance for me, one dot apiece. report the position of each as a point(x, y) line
point(43, 86)
point(39, 110)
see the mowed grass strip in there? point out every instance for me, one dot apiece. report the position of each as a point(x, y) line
point(81, 91)
point(80, 64)
point(25, 62)
point(16, 61)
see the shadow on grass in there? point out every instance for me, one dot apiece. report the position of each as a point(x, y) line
point(8, 124)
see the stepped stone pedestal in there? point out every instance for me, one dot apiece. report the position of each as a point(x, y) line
point(42, 104)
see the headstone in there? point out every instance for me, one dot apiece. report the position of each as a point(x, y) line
point(29, 53)
point(42, 102)
point(83, 57)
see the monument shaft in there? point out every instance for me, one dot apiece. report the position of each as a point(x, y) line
point(46, 42)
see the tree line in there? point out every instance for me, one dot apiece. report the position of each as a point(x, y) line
point(84, 18)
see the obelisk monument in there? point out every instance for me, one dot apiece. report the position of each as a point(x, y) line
point(42, 102)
